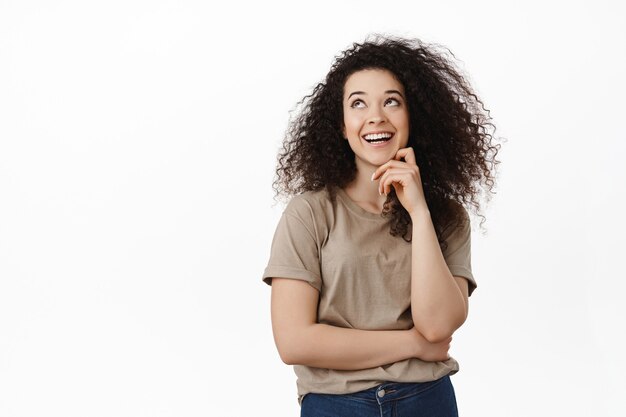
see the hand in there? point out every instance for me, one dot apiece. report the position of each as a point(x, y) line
point(428, 351)
point(405, 178)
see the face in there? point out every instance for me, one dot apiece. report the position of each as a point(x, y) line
point(375, 116)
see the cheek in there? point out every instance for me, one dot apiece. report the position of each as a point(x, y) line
point(352, 124)
point(402, 120)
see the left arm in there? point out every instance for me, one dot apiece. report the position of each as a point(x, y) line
point(439, 303)
point(439, 300)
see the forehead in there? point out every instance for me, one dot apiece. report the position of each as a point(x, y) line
point(372, 81)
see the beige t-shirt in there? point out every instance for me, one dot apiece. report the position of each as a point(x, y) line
point(363, 274)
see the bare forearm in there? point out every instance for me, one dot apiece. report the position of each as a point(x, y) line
point(437, 304)
point(325, 346)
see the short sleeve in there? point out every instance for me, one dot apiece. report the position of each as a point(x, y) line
point(458, 253)
point(294, 251)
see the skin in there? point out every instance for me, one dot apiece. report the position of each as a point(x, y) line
point(303, 341)
point(374, 101)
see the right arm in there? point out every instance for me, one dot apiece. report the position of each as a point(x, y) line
point(302, 341)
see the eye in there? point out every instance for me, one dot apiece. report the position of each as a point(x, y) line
point(394, 100)
point(355, 102)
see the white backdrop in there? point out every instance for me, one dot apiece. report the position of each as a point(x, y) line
point(138, 144)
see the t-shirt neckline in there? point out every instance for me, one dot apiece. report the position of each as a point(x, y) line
point(356, 209)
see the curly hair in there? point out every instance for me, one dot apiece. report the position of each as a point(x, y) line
point(448, 132)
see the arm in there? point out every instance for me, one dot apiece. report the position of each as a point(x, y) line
point(302, 341)
point(439, 301)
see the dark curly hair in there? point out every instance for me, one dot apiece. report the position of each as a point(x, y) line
point(448, 132)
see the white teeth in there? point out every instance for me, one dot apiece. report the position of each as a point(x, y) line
point(377, 136)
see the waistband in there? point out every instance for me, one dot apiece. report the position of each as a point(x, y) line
point(391, 391)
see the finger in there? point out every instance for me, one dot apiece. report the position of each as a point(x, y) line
point(408, 154)
point(384, 179)
point(402, 177)
point(384, 167)
point(407, 175)
point(389, 164)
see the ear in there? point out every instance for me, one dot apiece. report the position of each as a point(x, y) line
point(343, 131)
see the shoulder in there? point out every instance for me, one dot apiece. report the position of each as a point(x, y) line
point(459, 212)
point(459, 218)
point(314, 209)
point(308, 204)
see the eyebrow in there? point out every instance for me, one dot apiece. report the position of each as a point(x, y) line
point(386, 92)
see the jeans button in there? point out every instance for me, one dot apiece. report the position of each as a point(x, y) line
point(381, 393)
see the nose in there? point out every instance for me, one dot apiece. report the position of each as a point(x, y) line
point(376, 116)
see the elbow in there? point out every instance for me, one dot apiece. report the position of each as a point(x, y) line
point(287, 353)
point(283, 352)
point(286, 357)
point(437, 335)
point(290, 346)
point(439, 332)
point(433, 334)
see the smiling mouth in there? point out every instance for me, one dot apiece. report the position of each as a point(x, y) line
point(378, 138)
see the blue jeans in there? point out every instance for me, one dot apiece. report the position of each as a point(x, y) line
point(391, 399)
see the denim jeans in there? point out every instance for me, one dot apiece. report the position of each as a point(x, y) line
point(391, 399)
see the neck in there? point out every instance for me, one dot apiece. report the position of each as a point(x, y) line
point(363, 189)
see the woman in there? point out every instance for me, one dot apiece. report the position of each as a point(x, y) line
point(370, 263)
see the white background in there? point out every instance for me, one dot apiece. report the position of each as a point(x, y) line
point(138, 144)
